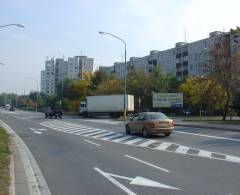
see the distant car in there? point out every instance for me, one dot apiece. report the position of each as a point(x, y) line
point(53, 112)
point(11, 108)
point(148, 123)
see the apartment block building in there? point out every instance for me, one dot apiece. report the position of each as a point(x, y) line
point(48, 77)
point(78, 65)
point(182, 60)
point(56, 70)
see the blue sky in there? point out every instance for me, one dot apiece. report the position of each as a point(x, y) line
point(70, 27)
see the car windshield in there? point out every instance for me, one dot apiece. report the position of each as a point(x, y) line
point(157, 116)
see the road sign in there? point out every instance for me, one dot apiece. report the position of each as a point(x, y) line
point(140, 181)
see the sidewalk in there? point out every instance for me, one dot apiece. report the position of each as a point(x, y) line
point(19, 179)
point(26, 176)
point(223, 127)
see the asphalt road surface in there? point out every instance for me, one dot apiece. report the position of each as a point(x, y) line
point(95, 156)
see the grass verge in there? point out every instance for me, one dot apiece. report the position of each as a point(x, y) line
point(4, 162)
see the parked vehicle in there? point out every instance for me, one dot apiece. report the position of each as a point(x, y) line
point(112, 105)
point(7, 107)
point(12, 108)
point(148, 123)
point(53, 112)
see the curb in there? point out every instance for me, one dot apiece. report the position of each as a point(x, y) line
point(12, 176)
point(36, 182)
point(207, 127)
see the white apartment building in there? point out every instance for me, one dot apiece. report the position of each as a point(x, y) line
point(48, 77)
point(56, 70)
point(78, 65)
point(61, 70)
point(182, 60)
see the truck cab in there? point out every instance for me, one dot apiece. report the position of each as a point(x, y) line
point(83, 108)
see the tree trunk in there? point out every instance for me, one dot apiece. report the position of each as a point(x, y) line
point(226, 107)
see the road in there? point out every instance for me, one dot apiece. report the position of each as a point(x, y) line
point(94, 156)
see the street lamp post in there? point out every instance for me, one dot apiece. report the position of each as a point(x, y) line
point(125, 69)
point(35, 80)
point(18, 25)
point(61, 98)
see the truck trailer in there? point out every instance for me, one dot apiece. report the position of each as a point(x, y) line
point(112, 105)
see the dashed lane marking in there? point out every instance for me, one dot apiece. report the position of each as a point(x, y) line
point(105, 135)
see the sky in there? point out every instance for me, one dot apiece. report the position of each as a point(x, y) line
point(58, 28)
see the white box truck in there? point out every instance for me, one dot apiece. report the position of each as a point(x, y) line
point(112, 105)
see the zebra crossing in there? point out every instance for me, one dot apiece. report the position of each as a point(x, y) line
point(101, 134)
point(111, 122)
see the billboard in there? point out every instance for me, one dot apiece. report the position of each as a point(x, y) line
point(167, 100)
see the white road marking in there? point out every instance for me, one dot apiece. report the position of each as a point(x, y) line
point(115, 182)
point(92, 142)
point(36, 131)
point(133, 141)
point(163, 146)
point(102, 135)
point(149, 164)
point(110, 137)
point(204, 153)
point(82, 132)
point(105, 121)
point(83, 129)
point(147, 143)
point(87, 131)
point(140, 181)
point(210, 136)
point(233, 158)
point(89, 134)
point(75, 131)
point(122, 138)
point(182, 149)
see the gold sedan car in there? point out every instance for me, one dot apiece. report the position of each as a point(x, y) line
point(148, 123)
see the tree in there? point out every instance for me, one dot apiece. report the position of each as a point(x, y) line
point(224, 67)
point(98, 77)
point(109, 87)
point(139, 84)
point(204, 92)
point(164, 82)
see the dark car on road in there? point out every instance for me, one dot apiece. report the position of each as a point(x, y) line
point(148, 123)
point(53, 112)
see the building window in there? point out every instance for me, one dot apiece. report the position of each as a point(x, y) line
point(178, 55)
point(178, 65)
point(179, 74)
point(185, 53)
point(154, 62)
point(185, 72)
point(185, 63)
